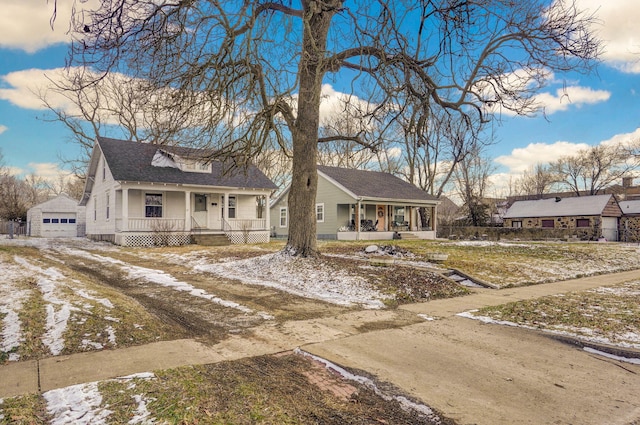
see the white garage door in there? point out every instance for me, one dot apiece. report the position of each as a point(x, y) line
point(610, 228)
point(56, 225)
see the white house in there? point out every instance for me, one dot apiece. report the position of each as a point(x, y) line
point(58, 217)
point(364, 205)
point(138, 194)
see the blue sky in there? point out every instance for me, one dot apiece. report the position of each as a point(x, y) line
point(596, 109)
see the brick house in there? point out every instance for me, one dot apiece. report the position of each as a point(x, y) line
point(587, 217)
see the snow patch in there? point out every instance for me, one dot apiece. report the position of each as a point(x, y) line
point(76, 405)
point(300, 276)
point(612, 356)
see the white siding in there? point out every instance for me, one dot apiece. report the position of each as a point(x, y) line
point(97, 222)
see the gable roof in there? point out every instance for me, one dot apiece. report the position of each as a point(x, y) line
point(552, 207)
point(62, 202)
point(374, 185)
point(630, 207)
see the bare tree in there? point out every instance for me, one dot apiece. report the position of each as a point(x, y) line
point(593, 169)
point(472, 182)
point(536, 181)
point(252, 71)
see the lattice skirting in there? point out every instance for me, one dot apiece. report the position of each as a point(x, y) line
point(240, 237)
point(171, 239)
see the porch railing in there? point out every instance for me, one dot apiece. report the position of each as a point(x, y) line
point(244, 224)
point(152, 224)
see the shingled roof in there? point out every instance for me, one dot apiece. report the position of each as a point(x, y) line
point(132, 161)
point(374, 184)
point(556, 207)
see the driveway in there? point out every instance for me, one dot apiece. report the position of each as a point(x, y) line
point(479, 373)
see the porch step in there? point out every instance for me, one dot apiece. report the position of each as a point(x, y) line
point(406, 235)
point(211, 240)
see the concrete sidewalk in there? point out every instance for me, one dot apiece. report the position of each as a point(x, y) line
point(34, 376)
point(490, 297)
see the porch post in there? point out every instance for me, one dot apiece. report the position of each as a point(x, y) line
point(125, 210)
point(225, 207)
point(358, 220)
point(187, 211)
point(267, 215)
point(434, 218)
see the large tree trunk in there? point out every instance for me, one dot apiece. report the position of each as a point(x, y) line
point(304, 177)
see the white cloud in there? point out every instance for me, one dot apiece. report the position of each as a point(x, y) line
point(571, 96)
point(623, 138)
point(618, 28)
point(21, 87)
point(522, 159)
point(550, 102)
point(3, 128)
point(26, 24)
point(49, 171)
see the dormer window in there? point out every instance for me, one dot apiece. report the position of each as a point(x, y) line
point(166, 159)
point(194, 166)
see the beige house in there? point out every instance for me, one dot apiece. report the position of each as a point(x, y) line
point(141, 194)
point(363, 205)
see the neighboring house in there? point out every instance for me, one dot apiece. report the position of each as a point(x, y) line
point(585, 216)
point(57, 217)
point(357, 204)
point(143, 194)
point(630, 221)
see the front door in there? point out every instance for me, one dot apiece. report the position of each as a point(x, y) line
point(200, 215)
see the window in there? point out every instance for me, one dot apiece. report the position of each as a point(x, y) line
point(320, 213)
point(398, 216)
point(104, 170)
point(583, 222)
point(107, 206)
point(72, 221)
point(95, 208)
point(283, 217)
point(46, 220)
point(232, 207)
point(548, 224)
point(55, 220)
point(153, 205)
point(516, 224)
point(200, 201)
point(261, 201)
point(64, 220)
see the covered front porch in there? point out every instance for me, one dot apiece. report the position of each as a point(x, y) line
point(146, 215)
point(376, 220)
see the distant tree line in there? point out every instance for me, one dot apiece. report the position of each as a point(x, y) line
point(18, 193)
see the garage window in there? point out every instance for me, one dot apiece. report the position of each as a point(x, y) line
point(46, 220)
point(548, 224)
point(583, 222)
point(64, 220)
point(72, 221)
point(55, 220)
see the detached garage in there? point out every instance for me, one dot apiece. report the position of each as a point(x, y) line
point(57, 217)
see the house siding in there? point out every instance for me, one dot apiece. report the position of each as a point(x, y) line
point(276, 230)
point(335, 214)
point(97, 224)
